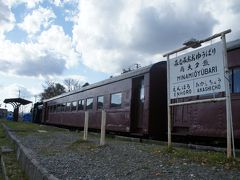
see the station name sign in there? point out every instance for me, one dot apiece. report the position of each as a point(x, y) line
point(198, 72)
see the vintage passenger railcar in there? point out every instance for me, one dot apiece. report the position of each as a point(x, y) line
point(135, 103)
point(208, 120)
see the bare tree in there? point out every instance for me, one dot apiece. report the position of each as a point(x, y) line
point(71, 84)
point(51, 89)
point(48, 84)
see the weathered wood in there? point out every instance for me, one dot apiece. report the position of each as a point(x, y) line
point(168, 105)
point(228, 100)
point(85, 132)
point(103, 128)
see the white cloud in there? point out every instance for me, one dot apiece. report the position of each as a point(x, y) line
point(7, 19)
point(32, 3)
point(51, 54)
point(57, 41)
point(227, 13)
point(38, 19)
point(114, 34)
point(81, 79)
point(62, 2)
point(12, 91)
point(57, 2)
point(29, 3)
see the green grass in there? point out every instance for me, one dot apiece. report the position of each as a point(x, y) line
point(203, 157)
point(24, 128)
point(12, 166)
point(49, 151)
point(3, 140)
point(79, 146)
point(83, 145)
point(13, 169)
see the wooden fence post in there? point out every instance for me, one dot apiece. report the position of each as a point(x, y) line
point(103, 128)
point(85, 132)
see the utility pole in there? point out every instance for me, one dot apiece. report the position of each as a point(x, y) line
point(35, 98)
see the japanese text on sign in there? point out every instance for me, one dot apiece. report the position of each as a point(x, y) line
point(198, 72)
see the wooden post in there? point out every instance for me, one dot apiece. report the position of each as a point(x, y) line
point(103, 128)
point(85, 132)
point(228, 100)
point(168, 104)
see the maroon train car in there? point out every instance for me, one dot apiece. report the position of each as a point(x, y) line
point(208, 120)
point(135, 103)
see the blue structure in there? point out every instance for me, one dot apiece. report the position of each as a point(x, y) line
point(27, 117)
point(10, 116)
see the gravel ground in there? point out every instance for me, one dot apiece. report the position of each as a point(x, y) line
point(66, 156)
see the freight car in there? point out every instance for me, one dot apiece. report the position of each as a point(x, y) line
point(135, 103)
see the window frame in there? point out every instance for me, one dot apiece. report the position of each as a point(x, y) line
point(63, 106)
point(58, 108)
point(82, 104)
point(54, 108)
point(68, 107)
point(86, 107)
point(50, 109)
point(98, 106)
point(74, 107)
point(116, 106)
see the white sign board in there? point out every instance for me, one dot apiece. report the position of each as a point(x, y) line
point(198, 72)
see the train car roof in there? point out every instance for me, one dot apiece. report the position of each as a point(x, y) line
point(230, 46)
point(130, 74)
point(233, 45)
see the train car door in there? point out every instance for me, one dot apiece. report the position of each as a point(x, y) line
point(45, 113)
point(137, 105)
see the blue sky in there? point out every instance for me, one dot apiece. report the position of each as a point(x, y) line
point(90, 40)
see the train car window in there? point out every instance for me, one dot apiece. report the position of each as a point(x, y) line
point(100, 102)
point(68, 107)
point(58, 108)
point(116, 100)
point(142, 91)
point(50, 109)
point(54, 108)
point(89, 103)
point(63, 107)
point(74, 106)
point(81, 104)
point(236, 80)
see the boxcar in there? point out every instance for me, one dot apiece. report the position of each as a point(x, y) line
point(135, 102)
point(208, 120)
